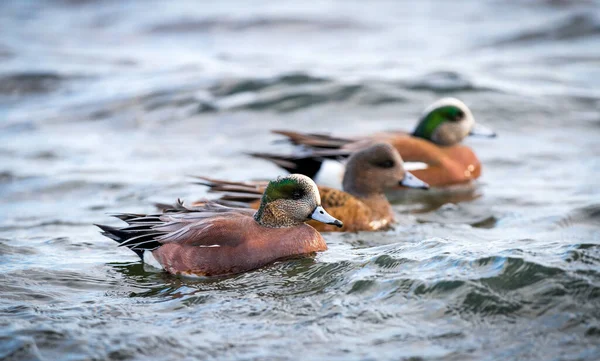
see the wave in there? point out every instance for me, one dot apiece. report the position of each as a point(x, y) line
point(443, 81)
point(585, 215)
point(8, 250)
point(493, 285)
point(286, 92)
point(234, 86)
point(575, 26)
point(29, 83)
point(294, 91)
point(227, 24)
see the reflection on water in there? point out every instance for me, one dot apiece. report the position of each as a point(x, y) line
point(107, 106)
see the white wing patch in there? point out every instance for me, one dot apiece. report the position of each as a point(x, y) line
point(415, 166)
point(151, 261)
point(330, 174)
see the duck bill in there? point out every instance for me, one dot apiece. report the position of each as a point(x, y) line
point(479, 130)
point(319, 214)
point(411, 181)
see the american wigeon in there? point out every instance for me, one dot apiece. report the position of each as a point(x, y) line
point(362, 205)
point(435, 142)
point(214, 239)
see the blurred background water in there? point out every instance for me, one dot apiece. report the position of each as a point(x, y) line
point(106, 106)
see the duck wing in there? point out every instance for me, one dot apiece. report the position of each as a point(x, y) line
point(314, 140)
point(234, 194)
point(355, 215)
point(195, 226)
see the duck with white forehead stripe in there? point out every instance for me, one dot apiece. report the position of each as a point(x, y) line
point(447, 122)
point(362, 205)
point(434, 144)
point(213, 239)
point(286, 202)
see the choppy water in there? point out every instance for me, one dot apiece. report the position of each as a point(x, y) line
point(105, 106)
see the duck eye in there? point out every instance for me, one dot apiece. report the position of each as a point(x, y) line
point(297, 195)
point(459, 115)
point(386, 164)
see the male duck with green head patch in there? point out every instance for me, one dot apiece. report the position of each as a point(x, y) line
point(434, 142)
point(212, 239)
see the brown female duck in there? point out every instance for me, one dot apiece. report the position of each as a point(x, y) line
point(361, 206)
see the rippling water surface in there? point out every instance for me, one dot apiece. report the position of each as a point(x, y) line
point(106, 106)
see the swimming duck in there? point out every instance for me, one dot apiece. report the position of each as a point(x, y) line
point(434, 142)
point(214, 239)
point(362, 205)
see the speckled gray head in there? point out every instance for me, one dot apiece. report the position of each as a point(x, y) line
point(448, 121)
point(292, 200)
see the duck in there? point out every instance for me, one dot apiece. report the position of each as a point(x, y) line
point(361, 205)
point(435, 144)
point(215, 239)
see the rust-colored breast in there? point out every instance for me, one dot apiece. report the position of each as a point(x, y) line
point(238, 247)
point(465, 160)
point(446, 165)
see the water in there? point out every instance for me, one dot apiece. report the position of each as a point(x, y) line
point(106, 106)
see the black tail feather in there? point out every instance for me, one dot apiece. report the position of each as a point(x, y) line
point(126, 216)
point(309, 166)
point(143, 241)
point(137, 237)
point(113, 233)
point(308, 163)
point(142, 234)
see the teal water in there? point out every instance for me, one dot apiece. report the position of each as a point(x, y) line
point(107, 106)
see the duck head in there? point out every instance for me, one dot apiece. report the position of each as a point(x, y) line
point(448, 121)
point(375, 169)
point(290, 201)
